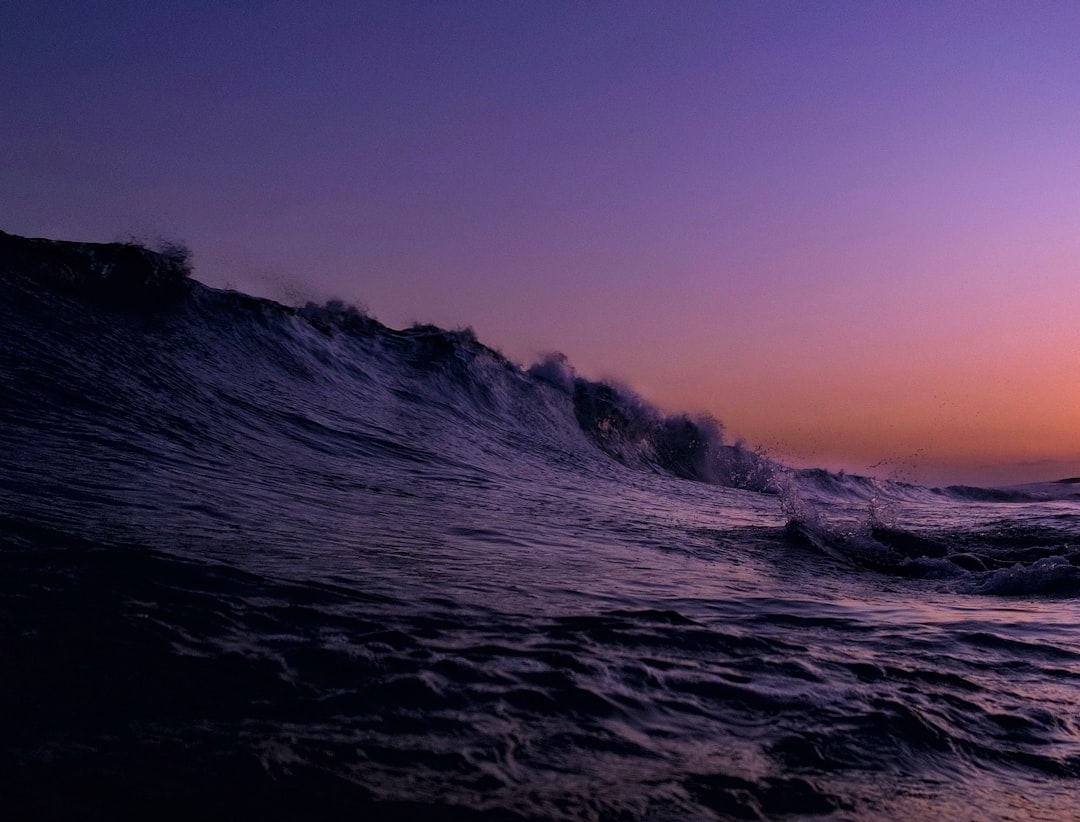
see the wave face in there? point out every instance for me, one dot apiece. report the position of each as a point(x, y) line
point(288, 562)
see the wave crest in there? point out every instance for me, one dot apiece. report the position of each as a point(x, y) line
point(118, 274)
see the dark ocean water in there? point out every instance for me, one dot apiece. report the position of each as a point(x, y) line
point(263, 562)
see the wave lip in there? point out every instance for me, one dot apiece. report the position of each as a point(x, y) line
point(634, 432)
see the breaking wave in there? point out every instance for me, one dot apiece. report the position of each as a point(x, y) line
point(287, 561)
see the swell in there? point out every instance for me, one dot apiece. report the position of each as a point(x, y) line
point(137, 392)
point(121, 309)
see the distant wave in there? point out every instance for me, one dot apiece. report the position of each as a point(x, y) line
point(989, 494)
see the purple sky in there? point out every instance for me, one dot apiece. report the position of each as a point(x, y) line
point(849, 230)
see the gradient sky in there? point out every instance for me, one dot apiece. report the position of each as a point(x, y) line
point(849, 230)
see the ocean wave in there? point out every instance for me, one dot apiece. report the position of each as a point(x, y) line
point(286, 561)
point(482, 381)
